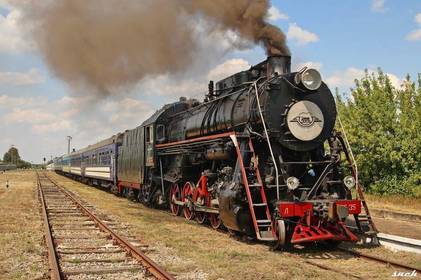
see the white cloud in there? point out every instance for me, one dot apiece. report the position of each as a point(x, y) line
point(54, 126)
point(127, 110)
point(75, 101)
point(346, 78)
point(418, 18)
point(275, 14)
point(30, 116)
point(228, 68)
point(69, 113)
point(32, 76)
point(13, 39)
point(415, 35)
point(171, 87)
point(395, 80)
point(378, 6)
point(195, 87)
point(310, 64)
point(301, 36)
point(45, 123)
point(7, 101)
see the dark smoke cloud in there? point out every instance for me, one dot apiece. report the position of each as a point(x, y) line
point(109, 44)
point(248, 18)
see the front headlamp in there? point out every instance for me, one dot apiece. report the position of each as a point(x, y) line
point(309, 78)
point(349, 182)
point(292, 183)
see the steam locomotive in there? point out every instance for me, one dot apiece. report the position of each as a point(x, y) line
point(259, 156)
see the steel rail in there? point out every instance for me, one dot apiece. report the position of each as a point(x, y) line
point(380, 259)
point(326, 267)
point(52, 254)
point(400, 243)
point(148, 263)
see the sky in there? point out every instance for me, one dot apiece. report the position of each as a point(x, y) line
point(339, 38)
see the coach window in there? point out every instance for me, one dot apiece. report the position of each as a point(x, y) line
point(149, 134)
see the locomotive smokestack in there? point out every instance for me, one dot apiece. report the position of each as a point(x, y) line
point(280, 64)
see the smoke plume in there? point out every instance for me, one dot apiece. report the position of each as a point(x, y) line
point(116, 43)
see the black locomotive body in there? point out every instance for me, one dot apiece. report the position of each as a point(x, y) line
point(259, 156)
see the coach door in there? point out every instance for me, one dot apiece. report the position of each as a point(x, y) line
point(149, 145)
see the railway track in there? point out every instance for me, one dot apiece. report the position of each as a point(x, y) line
point(354, 253)
point(345, 271)
point(81, 246)
point(393, 263)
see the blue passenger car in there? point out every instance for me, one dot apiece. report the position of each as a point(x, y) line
point(95, 164)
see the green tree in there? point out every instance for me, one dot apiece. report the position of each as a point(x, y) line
point(6, 157)
point(382, 124)
point(12, 156)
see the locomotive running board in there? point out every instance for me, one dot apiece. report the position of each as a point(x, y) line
point(262, 224)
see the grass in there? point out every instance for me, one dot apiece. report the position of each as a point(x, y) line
point(22, 252)
point(394, 203)
point(183, 246)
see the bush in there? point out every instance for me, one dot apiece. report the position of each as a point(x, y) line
point(382, 124)
point(391, 185)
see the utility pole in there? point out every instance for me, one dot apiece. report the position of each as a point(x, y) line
point(69, 139)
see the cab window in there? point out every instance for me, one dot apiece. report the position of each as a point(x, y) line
point(160, 132)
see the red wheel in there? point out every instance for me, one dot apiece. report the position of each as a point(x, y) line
point(215, 219)
point(187, 198)
point(200, 216)
point(175, 194)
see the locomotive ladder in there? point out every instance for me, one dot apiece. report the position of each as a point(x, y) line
point(252, 182)
point(367, 217)
point(359, 219)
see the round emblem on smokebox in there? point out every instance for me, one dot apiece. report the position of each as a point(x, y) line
point(305, 120)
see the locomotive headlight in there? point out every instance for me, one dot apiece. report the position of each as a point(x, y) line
point(292, 183)
point(349, 182)
point(309, 78)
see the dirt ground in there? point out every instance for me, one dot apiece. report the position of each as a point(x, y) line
point(185, 246)
point(401, 228)
point(22, 252)
point(396, 204)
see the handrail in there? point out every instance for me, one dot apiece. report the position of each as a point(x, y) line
point(353, 161)
point(267, 138)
